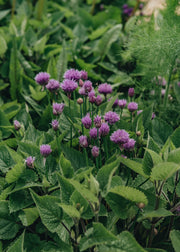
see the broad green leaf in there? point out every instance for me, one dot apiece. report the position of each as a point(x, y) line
point(40, 44)
point(164, 170)
point(66, 189)
point(25, 65)
point(174, 156)
point(6, 160)
point(99, 32)
point(133, 165)
point(129, 193)
point(87, 194)
point(94, 185)
point(120, 78)
point(18, 245)
point(160, 131)
point(32, 134)
point(28, 216)
point(35, 94)
point(168, 147)
point(175, 137)
point(8, 226)
point(175, 238)
point(146, 118)
point(70, 210)
point(14, 174)
point(4, 121)
point(3, 47)
point(161, 212)
point(4, 13)
point(62, 62)
point(66, 167)
point(177, 92)
point(51, 69)
point(105, 174)
point(156, 158)
point(147, 160)
point(125, 243)
point(96, 235)
point(11, 109)
point(33, 104)
point(49, 211)
point(19, 200)
point(68, 31)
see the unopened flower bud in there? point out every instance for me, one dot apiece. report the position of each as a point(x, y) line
point(138, 133)
point(155, 231)
point(141, 205)
point(81, 83)
point(80, 101)
point(78, 205)
point(17, 125)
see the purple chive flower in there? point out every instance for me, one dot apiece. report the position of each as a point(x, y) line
point(139, 111)
point(161, 81)
point(132, 106)
point(55, 125)
point(98, 100)
point(87, 86)
point(163, 91)
point(153, 115)
point(178, 84)
point(141, 6)
point(17, 125)
point(115, 103)
point(82, 91)
point(83, 75)
point(58, 108)
point(122, 103)
point(123, 156)
point(105, 89)
point(86, 121)
point(104, 129)
point(97, 121)
point(30, 162)
point(131, 92)
point(91, 96)
point(42, 78)
point(119, 137)
point(45, 150)
point(125, 6)
point(111, 117)
point(69, 86)
point(81, 83)
point(53, 85)
point(72, 74)
point(93, 133)
point(129, 145)
point(95, 151)
point(83, 141)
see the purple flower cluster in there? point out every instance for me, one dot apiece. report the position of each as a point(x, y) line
point(30, 162)
point(97, 121)
point(122, 103)
point(132, 106)
point(83, 141)
point(53, 85)
point(69, 86)
point(87, 86)
point(131, 92)
point(129, 145)
point(104, 129)
point(74, 74)
point(93, 133)
point(55, 125)
point(98, 100)
point(42, 78)
point(119, 137)
point(86, 121)
point(45, 150)
point(111, 117)
point(58, 108)
point(127, 10)
point(92, 97)
point(17, 125)
point(105, 89)
point(95, 151)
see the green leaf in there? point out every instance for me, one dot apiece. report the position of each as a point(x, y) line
point(160, 131)
point(175, 238)
point(14, 174)
point(125, 243)
point(62, 62)
point(66, 188)
point(110, 103)
point(107, 39)
point(174, 156)
point(120, 78)
point(133, 165)
point(3, 47)
point(8, 228)
point(51, 69)
point(87, 194)
point(177, 92)
point(18, 245)
point(164, 170)
point(66, 167)
point(99, 32)
point(129, 193)
point(156, 158)
point(4, 13)
point(49, 211)
point(175, 137)
point(39, 46)
point(6, 160)
point(4, 121)
point(35, 94)
point(68, 31)
point(161, 212)
point(28, 216)
point(96, 236)
point(105, 174)
point(70, 210)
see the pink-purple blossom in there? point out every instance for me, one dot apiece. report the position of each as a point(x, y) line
point(93, 133)
point(97, 121)
point(111, 117)
point(83, 141)
point(129, 145)
point(95, 151)
point(72, 74)
point(68, 86)
point(30, 162)
point(17, 125)
point(122, 103)
point(139, 111)
point(53, 85)
point(86, 121)
point(105, 89)
point(82, 91)
point(91, 96)
point(132, 106)
point(58, 108)
point(119, 137)
point(42, 78)
point(45, 150)
point(131, 92)
point(55, 125)
point(104, 129)
point(98, 100)
point(87, 86)
point(83, 75)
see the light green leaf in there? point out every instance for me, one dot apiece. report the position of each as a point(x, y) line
point(28, 216)
point(4, 13)
point(70, 210)
point(40, 44)
point(66, 167)
point(18, 245)
point(6, 160)
point(35, 94)
point(161, 212)
point(175, 238)
point(156, 158)
point(14, 174)
point(62, 62)
point(3, 47)
point(68, 31)
point(174, 156)
point(164, 170)
point(99, 32)
point(175, 137)
point(66, 188)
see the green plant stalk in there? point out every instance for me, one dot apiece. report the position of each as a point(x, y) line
point(100, 160)
point(49, 102)
point(13, 8)
point(82, 126)
point(93, 7)
point(168, 83)
point(40, 9)
point(70, 125)
point(86, 156)
point(105, 147)
point(57, 140)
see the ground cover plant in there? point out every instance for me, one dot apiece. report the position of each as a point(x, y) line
point(89, 126)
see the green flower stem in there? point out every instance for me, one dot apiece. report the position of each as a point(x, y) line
point(49, 103)
point(71, 124)
point(168, 83)
point(86, 156)
point(98, 143)
point(97, 164)
point(81, 118)
point(131, 120)
point(57, 141)
point(106, 147)
point(13, 8)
